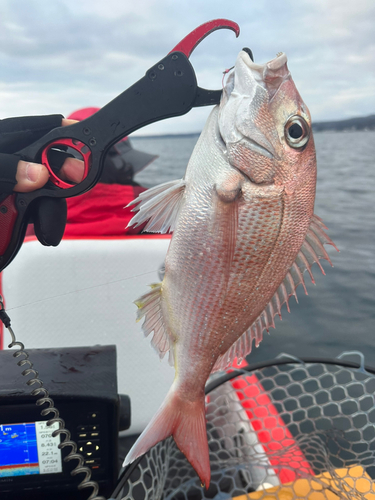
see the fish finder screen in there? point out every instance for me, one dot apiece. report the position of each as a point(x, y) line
point(29, 449)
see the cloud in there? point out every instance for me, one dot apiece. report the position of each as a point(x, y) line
point(61, 55)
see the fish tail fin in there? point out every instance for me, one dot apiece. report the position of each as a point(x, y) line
point(186, 422)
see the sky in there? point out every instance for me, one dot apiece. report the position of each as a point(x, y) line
point(57, 56)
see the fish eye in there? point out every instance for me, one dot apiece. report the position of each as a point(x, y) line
point(297, 132)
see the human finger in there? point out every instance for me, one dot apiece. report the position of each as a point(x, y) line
point(72, 170)
point(65, 122)
point(30, 176)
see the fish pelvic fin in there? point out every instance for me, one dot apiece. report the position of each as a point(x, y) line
point(159, 206)
point(311, 251)
point(149, 307)
point(186, 422)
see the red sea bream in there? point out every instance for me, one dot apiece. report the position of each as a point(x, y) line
point(244, 232)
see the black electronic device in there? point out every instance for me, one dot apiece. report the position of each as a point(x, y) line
point(82, 382)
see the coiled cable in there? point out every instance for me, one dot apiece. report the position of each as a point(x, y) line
point(45, 398)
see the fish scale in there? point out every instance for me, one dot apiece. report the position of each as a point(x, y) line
point(244, 233)
point(247, 273)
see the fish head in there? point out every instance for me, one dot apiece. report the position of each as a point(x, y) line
point(264, 124)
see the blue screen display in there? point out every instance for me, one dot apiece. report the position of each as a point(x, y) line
point(29, 448)
point(18, 450)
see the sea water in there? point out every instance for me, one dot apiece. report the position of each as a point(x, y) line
point(339, 312)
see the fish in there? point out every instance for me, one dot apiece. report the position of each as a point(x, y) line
point(244, 233)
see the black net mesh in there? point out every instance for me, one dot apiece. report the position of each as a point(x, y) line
point(288, 431)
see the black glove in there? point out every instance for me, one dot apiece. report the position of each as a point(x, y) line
point(49, 214)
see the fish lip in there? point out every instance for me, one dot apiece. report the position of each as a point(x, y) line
point(270, 75)
point(273, 65)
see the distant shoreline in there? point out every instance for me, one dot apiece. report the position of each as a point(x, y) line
point(348, 125)
point(167, 136)
point(360, 123)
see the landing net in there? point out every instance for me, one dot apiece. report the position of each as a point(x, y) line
point(287, 431)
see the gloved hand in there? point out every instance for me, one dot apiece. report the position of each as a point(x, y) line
point(17, 173)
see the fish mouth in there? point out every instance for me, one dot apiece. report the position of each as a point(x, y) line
point(274, 65)
point(269, 75)
point(250, 87)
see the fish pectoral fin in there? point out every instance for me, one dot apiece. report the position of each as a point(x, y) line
point(159, 206)
point(311, 251)
point(224, 223)
point(224, 227)
point(149, 307)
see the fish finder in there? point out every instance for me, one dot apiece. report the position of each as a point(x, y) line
point(83, 385)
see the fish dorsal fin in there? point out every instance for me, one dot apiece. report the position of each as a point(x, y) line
point(149, 307)
point(159, 206)
point(311, 251)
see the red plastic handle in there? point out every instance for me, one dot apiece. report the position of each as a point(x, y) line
point(77, 146)
point(188, 44)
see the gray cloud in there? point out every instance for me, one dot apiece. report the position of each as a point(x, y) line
point(62, 55)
